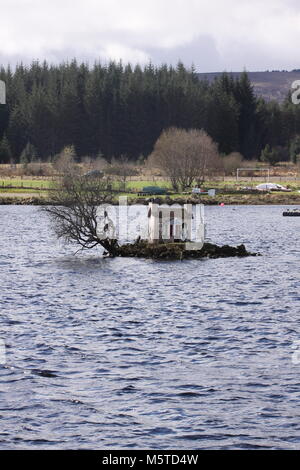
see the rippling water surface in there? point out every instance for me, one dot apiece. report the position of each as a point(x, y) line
point(125, 353)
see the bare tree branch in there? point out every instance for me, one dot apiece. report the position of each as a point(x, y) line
point(75, 214)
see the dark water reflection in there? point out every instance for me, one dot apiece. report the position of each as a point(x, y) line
point(140, 354)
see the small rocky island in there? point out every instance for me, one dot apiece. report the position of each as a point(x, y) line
point(170, 229)
point(80, 215)
point(178, 251)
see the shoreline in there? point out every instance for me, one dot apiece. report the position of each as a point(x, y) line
point(177, 251)
point(233, 200)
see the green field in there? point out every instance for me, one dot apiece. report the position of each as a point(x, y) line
point(24, 183)
point(39, 186)
point(22, 191)
point(139, 185)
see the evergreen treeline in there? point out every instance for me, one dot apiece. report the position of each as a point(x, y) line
point(116, 110)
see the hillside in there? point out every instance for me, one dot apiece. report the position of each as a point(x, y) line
point(270, 85)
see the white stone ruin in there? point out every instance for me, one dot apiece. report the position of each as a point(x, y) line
point(176, 223)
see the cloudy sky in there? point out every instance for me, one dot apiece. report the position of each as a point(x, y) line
point(214, 35)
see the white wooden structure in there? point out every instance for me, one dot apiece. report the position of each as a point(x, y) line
point(174, 223)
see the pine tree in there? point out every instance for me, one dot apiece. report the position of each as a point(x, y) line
point(245, 97)
point(119, 109)
point(295, 149)
point(29, 154)
point(5, 151)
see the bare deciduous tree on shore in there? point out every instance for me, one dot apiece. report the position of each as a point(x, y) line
point(232, 162)
point(64, 162)
point(122, 169)
point(75, 215)
point(186, 157)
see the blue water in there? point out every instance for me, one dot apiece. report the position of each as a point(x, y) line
point(126, 353)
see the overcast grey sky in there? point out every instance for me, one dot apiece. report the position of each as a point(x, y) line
point(215, 35)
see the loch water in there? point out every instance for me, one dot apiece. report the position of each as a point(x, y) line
point(130, 353)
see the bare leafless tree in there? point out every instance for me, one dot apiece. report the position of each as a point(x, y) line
point(75, 215)
point(64, 162)
point(231, 163)
point(185, 156)
point(121, 169)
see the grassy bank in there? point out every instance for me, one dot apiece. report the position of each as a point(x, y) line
point(35, 192)
point(227, 199)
